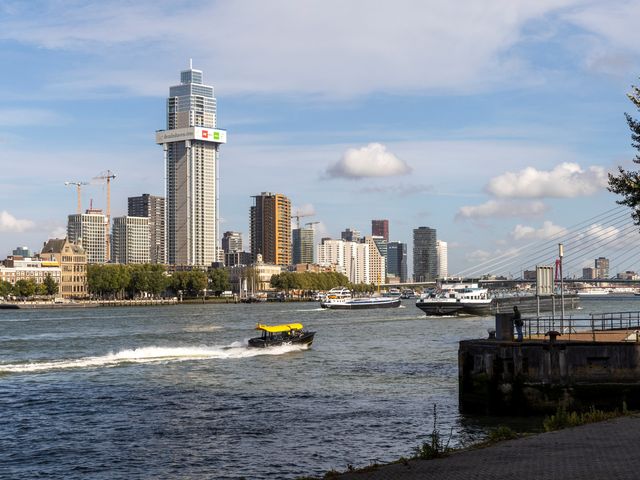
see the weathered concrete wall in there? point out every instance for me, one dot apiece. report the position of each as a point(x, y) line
point(534, 377)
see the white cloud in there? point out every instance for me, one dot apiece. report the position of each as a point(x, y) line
point(9, 223)
point(546, 231)
point(478, 256)
point(372, 160)
point(58, 232)
point(304, 47)
point(495, 208)
point(567, 180)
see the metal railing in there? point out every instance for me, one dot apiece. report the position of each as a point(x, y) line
point(599, 323)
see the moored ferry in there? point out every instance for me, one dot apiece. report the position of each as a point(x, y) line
point(456, 299)
point(362, 303)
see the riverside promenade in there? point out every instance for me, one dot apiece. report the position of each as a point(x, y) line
point(604, 450)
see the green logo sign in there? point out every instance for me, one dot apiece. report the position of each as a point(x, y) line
point(216, 135)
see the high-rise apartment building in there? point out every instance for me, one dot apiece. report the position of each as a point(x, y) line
point(397, 260)
point(442, 255)
point(302, 245)
point(231, 242)
point(425, 267)
point(270, 219)
point(380, 228)
point(348, 258)
point(602, 267)
point(190, 144)
point(377, 259)
point(130, 240)
point(87, 229)
point(350, 235)
point(153, 208)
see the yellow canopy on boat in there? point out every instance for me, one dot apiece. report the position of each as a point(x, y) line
point(279, 328)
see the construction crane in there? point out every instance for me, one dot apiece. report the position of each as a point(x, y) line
point(311, 224)
point(107, 176)
point(78, 187)
point(299, 216)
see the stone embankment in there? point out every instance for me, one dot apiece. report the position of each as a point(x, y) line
point(605, 450)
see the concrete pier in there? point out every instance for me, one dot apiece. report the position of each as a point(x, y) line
point(578, 371)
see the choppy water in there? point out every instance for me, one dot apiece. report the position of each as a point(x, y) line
point(173, 392)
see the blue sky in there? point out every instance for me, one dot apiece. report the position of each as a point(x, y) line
point(494, 122)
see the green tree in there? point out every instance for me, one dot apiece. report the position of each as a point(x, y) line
point(191, 283)
point(627, 182)
point(219, 280)
point(51, 286)
point(198, 281)
point(6, 289)
point(158, 280)
point(25, 288)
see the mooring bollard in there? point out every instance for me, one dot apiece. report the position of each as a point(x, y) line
point(504, 326)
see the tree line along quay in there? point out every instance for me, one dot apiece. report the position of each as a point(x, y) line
point(133, 281)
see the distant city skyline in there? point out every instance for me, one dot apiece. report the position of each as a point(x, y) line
point(497, 143)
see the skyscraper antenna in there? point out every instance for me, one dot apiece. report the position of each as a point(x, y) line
point(191, 64)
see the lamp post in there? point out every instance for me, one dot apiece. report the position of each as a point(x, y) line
point(561, 254)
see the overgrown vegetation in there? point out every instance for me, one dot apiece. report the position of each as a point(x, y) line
point(500, 434)
point(435, 447)
point(565, 419)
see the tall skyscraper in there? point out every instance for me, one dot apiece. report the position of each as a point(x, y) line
point(88, 229)
point(130, 240)
point(424, 254)
point(153, 208)
point(380, 228)
point(350, 235)
point(270, 219)
point(231, 242)
point(443, 259)
point(397, 260)
point(190, 144)
point(602, 267)
point(302, 245)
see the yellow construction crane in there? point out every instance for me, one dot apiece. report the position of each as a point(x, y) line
point(78, 187)
point(107, 176)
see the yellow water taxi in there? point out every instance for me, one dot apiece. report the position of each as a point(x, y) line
point(287, 334)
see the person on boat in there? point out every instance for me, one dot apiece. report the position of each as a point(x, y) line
point(517, 321)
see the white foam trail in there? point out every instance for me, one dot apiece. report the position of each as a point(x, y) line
point(152, 355)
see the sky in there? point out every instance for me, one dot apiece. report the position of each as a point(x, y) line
point(494, 122)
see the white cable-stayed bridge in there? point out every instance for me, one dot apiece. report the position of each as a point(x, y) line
point(610, 234)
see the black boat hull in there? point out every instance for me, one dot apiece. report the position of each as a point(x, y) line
point(440, 309)
point(362, 306)
point(305, 339)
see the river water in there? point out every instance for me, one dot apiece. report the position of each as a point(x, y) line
point(174, 392)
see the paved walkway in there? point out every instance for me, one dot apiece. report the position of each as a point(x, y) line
point(604, 450)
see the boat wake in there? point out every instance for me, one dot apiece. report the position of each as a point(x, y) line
point(151, 355)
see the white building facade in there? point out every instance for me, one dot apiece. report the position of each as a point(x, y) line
point(87, 229)
point(349, 258)
point(131, 240)
point(442, 255)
